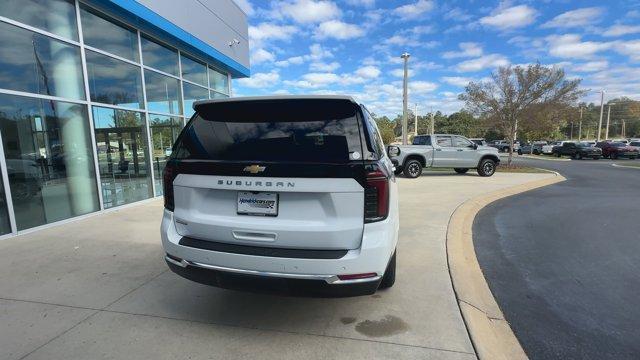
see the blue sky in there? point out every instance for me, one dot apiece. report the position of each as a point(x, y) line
point(354, 46)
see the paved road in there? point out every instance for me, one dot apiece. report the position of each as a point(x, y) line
point(563, 261)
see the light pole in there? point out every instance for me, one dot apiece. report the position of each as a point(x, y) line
point(415, 123)
point(433, 123)
point(601, 113)
point(606, 132)
point(405, 56)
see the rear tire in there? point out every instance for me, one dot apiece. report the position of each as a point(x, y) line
point(519, 152)
point(389, 277)
point(579, 156)
point(536, 152)
point(558, 154)
point(461, 170)
point(613, 156)
point(487, 168)
point(412, 169)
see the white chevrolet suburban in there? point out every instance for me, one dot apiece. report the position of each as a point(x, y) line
point(290, 194)
point(443, 151)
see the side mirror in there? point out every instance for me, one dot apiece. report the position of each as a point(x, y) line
point(474, 146)
point(393, 151)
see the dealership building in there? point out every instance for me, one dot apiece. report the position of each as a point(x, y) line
point(94, 92)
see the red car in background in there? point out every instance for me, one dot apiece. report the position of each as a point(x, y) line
point(615, 150)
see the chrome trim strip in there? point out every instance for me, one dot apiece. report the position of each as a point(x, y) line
point(329, 279)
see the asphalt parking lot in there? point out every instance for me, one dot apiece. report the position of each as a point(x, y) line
point(98, 288)
point(563, 261)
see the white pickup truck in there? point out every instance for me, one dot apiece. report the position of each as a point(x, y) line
point(443, 151)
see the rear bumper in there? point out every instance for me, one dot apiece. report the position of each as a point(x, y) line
point(297, 276)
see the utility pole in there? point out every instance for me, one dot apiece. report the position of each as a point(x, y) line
point(601, 113)
point(405, 56)
point(624, 129)
point(606, 132)
point(580, 125)
point(433, 123)
point(415, 123)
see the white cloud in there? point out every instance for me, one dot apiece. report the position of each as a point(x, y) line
point(414, 10)
point(365, 3)
point(571, 46)
point(511, 17)
point(338, 30)
point(294, 60)
point(307, 11)
point(620, 30)
point(246, 6)
point(457, 14)
point(629, 48)
point(324, 67)
point(261, 55)
point(260, 80)
point(422, 86)
point(591, 66)
point(456, 80)
point(575, 18)
point(269, 31)
point(369, 71)
point(483, 62)
point(317, 52)
point(467, 49)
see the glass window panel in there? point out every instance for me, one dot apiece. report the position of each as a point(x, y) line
point(108, 36)
point(60, 16)
point(193, 93)
point(217, 95)
point(5, 224)
point(163, 93)
point(193, 70)
point(219, 81)
point(115, 82)
point(47, 146)
point(159, 57)
point(38, 64)
point(123, 160)
point(164, 132)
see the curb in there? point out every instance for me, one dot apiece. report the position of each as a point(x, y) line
point(543, 158)
point(490, 333)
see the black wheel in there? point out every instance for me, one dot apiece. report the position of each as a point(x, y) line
point(412, 169)
point(536, 152)
point(573, 156)
point(487, 167)
point(613, 156)
point(558, 154)
point(519, 152)
point(596, 158)
point(461, 170)
point(389, 277)
point(632, 157)
point(398, 171)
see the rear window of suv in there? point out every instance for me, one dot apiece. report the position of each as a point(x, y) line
point(294, 130)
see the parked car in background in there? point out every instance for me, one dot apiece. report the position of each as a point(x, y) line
point(577, 151)
point(589, 143)
point(443, 151)
point(615, 150)
point(258, 197)
point(535, 148)
point(635, 143)
point(503, 145)
point(548, 149)
point(479, 141)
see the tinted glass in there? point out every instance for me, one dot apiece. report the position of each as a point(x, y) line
point(159, 57)
point(123, 160)
point(194, 70)
point(5, 224)
point(38, 64)
point(112, 81)
point(108, 36)
point(219, 81)
point(217, 95)
point(164, 132)
point(47, 145)
point(191, 94)
point(295, 131)
point(163, 93)
point(60, 16)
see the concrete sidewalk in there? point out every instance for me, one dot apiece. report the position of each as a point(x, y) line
point(98, 288)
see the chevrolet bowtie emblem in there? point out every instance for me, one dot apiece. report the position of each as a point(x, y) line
point(254, 169)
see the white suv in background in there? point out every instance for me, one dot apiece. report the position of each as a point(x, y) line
point(288, 194)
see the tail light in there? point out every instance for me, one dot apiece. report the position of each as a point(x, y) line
point(376, 196)
point(169, 174)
